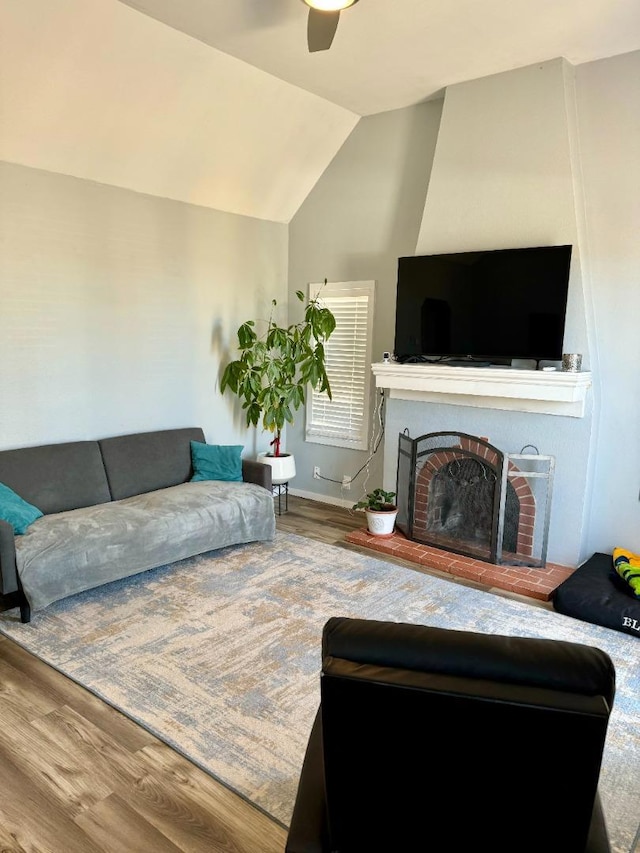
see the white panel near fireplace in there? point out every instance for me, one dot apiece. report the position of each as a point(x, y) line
point(539, 391)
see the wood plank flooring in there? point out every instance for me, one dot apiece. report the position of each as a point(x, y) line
point(79, 777)
point(330, 524)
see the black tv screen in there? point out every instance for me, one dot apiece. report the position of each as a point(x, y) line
point(490, 306)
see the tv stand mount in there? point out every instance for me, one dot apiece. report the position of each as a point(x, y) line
point(465, 362)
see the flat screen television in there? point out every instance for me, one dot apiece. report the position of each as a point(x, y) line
point(485, 307)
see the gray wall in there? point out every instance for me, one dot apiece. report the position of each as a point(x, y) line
point(608, 97)
point(118, 309)
point(505, 175)
point(551, 153)
point(360, 217)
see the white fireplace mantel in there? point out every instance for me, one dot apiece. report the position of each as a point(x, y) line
point(539, 391)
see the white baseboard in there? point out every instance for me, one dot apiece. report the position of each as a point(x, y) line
point(325, 499)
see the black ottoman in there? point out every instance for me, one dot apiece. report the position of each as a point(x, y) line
point(596, 593)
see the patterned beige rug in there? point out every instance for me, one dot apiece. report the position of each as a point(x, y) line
point(219, 656)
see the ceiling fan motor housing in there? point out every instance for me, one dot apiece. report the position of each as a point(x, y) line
point(330, 5)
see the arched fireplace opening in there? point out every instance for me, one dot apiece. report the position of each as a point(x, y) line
point(460, 493)
point(459, 504)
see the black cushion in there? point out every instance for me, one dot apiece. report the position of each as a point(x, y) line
point(438, 739)
point(531, 661)
point(430, 733)
point(596, 594)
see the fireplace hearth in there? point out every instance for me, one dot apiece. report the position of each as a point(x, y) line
point(459, 493)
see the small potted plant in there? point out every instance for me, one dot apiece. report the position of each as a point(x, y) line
point(381, 511)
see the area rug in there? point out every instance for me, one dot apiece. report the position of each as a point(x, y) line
point(219, 656)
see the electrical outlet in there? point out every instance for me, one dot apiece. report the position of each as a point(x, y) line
point(346, 482)
point(316, 472)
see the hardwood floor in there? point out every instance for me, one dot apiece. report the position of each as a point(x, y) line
point(330, 524)
point(80, 777)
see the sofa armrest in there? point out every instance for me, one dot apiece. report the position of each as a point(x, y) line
point(256, 472)
point(8, 570)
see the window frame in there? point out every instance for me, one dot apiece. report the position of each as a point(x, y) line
point(333, 290)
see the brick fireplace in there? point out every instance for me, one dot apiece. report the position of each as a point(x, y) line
point(467, 509)
point(459, 493)
point(531, 583)
point(515, 407)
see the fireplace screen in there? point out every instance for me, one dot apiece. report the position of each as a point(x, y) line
point(460, 493)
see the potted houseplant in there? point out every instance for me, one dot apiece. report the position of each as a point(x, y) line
point(381, 511)
point(273, 371)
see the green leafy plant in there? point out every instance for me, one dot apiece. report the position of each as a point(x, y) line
point(274, 369)
point(378, 500)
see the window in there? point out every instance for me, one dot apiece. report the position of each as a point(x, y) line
point(343, 421)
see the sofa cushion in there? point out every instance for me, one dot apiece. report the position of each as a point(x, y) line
point(595, 593)
point(146, 461)
point(56, 477)
point(216, 461)
point(16, 511)
point(70, 552)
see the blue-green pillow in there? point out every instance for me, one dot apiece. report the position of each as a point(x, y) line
point(216, 461)
point(16, 511)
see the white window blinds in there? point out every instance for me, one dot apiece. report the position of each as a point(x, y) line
point(343, 421)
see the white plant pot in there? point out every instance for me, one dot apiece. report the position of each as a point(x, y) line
point(382, 522)
point(283, 467)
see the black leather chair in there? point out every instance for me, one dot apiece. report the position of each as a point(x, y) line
point(429, 739)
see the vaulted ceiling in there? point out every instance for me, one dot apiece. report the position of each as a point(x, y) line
point(392, 53)
point(219, 103)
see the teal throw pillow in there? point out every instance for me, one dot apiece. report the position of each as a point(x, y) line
point(216, 461)
point(16, 511)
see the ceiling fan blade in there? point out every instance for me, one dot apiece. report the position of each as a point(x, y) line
point(321, 28)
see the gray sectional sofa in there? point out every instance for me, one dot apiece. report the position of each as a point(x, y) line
point(119, 506)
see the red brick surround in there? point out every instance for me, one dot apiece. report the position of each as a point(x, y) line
point(536, 583)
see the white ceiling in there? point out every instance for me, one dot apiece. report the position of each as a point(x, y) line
point(219, 103)
point(94, 89)
point(389, 54)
